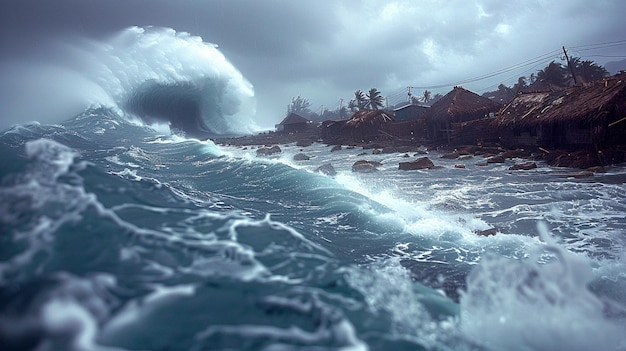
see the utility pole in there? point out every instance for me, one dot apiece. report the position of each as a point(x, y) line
point(571, 69)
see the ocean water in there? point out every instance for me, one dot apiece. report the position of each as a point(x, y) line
point(117, 234)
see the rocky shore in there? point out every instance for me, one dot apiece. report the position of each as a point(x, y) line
point(586, 160)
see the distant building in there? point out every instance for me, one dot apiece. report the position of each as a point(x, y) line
point(457, 106)
point(591, 115)
point(409, 112)
point(293, 123)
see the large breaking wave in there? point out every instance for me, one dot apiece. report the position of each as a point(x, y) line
point(157, 75)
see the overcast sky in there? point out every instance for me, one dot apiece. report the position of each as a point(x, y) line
point(324, 50)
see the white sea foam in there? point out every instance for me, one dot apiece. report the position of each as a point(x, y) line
point(109, 72)
point(540, 303)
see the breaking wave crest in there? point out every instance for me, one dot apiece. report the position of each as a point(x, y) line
point(157, 75)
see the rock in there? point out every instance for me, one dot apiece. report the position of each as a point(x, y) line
point(300, 157)
point(268, 151)
point(362, 154)
point(581, 174)
point(420, 163)
point(451, 155)
point(523, 166)
point(363, 166)
point(465, 157)
point(517, 153)
point(304, 143)
point(596, 169)
point(327, 169)
point(459, 166)
point(388, 150)
point(376, 152)
point(406, 156)
point(496, 159)
point(336, 148)
point(481, 164)
point(420, 152)
point(486, 232)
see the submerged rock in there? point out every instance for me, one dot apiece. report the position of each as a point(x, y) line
point(327, 169)
point(420, 163)
point(268, 151)
point(301, 157)
point(496, 159)
point(486, 232)
point(523, 166)
point(336, 148)
point(363, 166)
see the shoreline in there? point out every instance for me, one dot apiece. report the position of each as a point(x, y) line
point(585, 160)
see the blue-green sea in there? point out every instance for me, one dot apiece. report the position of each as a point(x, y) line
point(118, 234)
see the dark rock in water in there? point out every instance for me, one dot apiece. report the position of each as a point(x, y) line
point(406, 156)
point(388, 150)
point(517, 153)
point(420, 152)
point(465, 157)
point(376, 152)
point(523, 166)
point(420, 163)
point(596, 169)
point(363, 166)
point(459, 166)
point(304, 143)
point(301, 157)
point(268, 151)
point(451, 155)
point(327, 169)
point(496, 159)
point(362, 154)
point(336, 148)
point(486, 232)
point(578, 175)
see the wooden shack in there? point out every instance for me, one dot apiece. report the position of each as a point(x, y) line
point(591, 115)
point(293, 123)
point(409, 112)
point(459, 105)
point(368, 125)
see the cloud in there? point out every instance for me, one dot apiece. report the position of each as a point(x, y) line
point(324, 50)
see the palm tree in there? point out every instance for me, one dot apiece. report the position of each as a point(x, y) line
point(553, 73)
point(589, 70)
point(360, 99)
point(521, 84)
point(353, 105)
point(374, 99)
point(426, 96)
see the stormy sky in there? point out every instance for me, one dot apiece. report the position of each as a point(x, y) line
point(324, 50)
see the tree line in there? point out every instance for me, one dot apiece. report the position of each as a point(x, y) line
point(555, 76)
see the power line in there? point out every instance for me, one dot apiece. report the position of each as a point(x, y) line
point(535, 62)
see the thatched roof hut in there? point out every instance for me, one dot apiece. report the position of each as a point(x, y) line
point(594, 113)
point(292, 123)
point(368, 125)
point(601, 102)
point(459, 105)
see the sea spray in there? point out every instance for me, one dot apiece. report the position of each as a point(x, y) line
point(153, 73)
point(539, 303)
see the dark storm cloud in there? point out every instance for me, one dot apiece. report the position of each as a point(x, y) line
point(325, 50)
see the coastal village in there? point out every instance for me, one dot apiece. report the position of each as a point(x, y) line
point(582, 125)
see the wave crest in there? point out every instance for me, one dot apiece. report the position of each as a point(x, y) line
point(156, 74)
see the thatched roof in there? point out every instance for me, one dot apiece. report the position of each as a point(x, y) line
point(461, 105)
point(369, 118)
point(293, 118)
point(605, 99)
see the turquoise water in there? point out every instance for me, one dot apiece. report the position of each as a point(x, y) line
point(118, 235)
